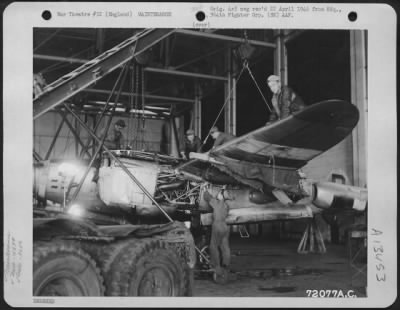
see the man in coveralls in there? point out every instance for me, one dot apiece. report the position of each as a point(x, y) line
point(220, 254)
point(220, 137)
point(192, 143)
point(285, 101)
point(114, 139)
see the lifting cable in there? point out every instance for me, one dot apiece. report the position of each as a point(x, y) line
point(247, 67)
point(246, 64)
point(223, 107)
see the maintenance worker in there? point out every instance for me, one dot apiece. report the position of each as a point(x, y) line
point(220, 137)
point(284, 100)
point(192, 143)
point(220, 254)
point(114, 139)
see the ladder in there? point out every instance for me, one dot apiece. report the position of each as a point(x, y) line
point(95, 69)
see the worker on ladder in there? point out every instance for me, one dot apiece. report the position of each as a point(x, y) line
point(284, 100)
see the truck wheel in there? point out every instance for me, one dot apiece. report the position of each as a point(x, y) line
point(149, 268)
point(63, 269)
point(107, 254)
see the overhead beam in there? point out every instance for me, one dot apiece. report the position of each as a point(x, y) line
point(94, 112)
point(185, 73)
point(156, 97)
point(93, 105)
point(223, 38)
point(156, 70)
point(290, 35)
point(92, 71)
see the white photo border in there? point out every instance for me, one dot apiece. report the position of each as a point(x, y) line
point(380, 21)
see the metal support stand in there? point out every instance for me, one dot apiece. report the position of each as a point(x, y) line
point(243, 232)
point(312, 238)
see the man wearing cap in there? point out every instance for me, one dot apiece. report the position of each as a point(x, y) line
point(284, 100)
point(114, 139)
point(192, 143)
point(220, 137)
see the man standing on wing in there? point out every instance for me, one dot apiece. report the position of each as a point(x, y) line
point(284, 100)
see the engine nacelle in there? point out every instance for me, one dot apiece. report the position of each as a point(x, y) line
point(327, 195)
point(54, 180)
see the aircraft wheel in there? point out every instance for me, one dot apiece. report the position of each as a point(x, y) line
point(61, 268)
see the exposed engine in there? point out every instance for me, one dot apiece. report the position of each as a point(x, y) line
point(107, 188)
point(326, 195)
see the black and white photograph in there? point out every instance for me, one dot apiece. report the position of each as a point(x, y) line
point(228, 161)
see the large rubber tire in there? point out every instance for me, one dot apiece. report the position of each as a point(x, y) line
point(148, 268)
point(107, 254)
point(62, 268)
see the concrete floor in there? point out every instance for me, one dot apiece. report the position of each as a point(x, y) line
point(270, 268)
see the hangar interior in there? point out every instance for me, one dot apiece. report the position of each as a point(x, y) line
point(200, 78)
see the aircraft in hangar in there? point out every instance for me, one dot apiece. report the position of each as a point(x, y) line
point(259, 172)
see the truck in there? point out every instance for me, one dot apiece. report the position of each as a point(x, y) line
point(108, 251)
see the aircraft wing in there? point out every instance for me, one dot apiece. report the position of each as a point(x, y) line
point(270, 156)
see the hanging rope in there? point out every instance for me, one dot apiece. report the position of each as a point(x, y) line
point(247, 67)
point(246, 64)
point(223, 107)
